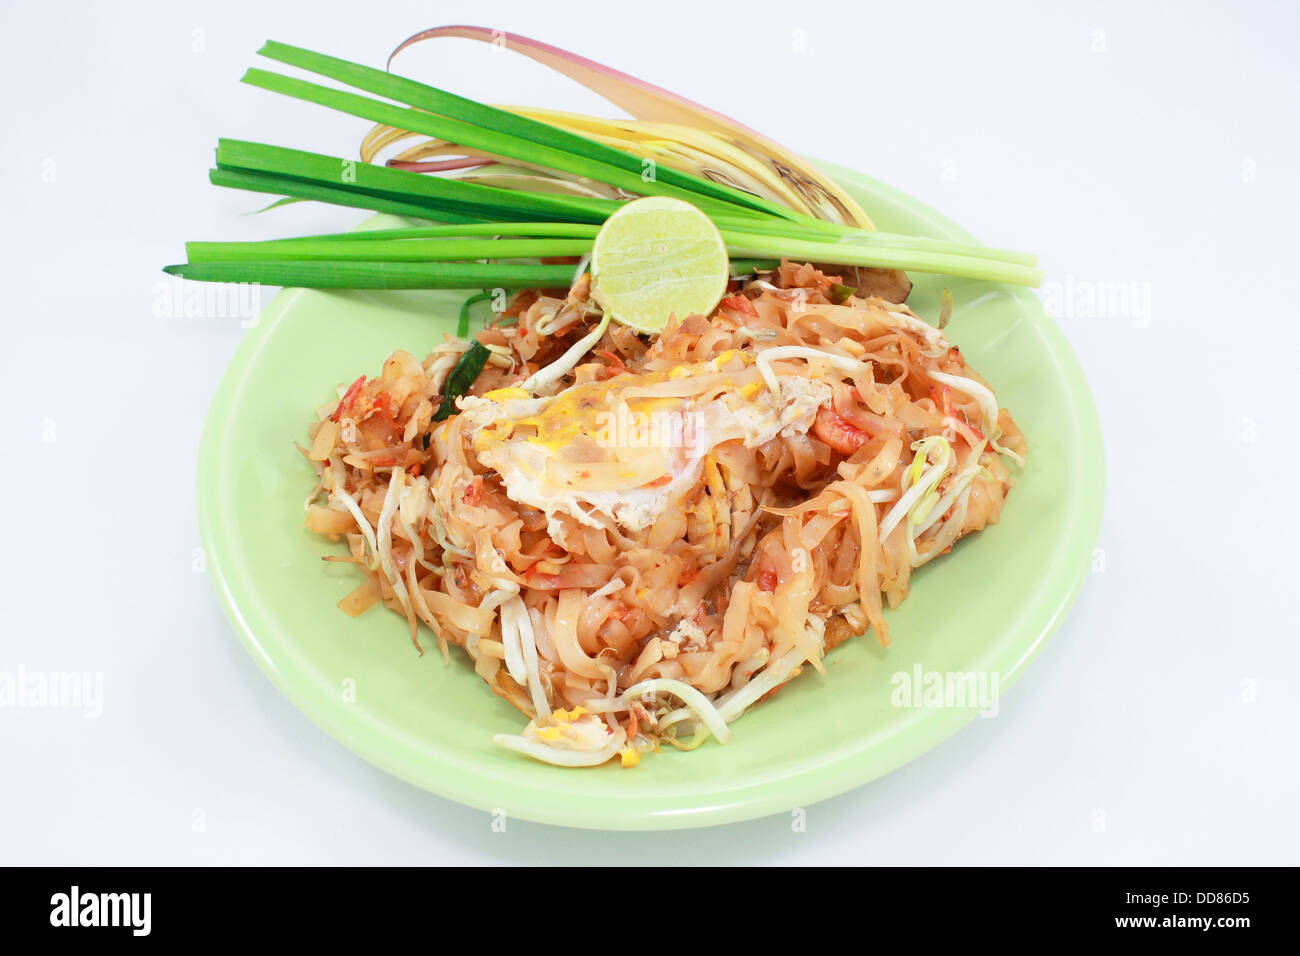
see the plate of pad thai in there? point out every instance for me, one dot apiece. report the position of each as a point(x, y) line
point(631, 473)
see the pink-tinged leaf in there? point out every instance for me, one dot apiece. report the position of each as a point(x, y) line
point(440, 165)
point(645, 101)
point(638, 98)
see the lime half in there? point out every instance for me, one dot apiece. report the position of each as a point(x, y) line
point(657, 257)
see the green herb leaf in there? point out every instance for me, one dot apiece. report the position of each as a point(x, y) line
point(842, 293)
point(461, 379)
point(462, 328)
point(345, 274)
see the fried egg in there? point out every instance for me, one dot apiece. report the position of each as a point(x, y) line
point(629, 448)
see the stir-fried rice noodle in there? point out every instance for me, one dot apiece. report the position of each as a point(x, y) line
point(637, 540)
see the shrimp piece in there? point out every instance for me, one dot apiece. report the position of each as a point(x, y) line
point(837, 432)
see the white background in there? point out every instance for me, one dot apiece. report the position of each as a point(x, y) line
point(1155, 145)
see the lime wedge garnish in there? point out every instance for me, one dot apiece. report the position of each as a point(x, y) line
point(658, 257)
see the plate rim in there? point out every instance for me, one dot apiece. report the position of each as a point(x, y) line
point(836, 771)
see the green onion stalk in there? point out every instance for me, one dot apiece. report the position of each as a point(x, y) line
point(467, 235)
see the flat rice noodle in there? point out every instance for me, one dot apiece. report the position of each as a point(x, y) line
point(896, 566)
point(487, 667)
point(740, 461)
point(650, 655)
point(570, 575)
point(328, 521)
point(564, 635)
point(864, 513)
point(463, 617)
point(882, 465)
point(669, 669)
point(362, 597)
point(668, 527)
point(590, 618)
point(512, 692)
point(621, 639)
point(324, 440)
point(817, 528)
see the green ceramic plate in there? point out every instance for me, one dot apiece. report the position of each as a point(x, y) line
point(987, 607)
